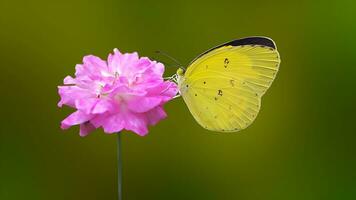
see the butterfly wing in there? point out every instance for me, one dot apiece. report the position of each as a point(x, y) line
point(223, 87)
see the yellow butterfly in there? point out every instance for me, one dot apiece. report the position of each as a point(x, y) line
point(223, 86)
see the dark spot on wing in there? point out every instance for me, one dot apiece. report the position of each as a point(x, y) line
point(232, 82)
point(226, 62)
point(220, 93)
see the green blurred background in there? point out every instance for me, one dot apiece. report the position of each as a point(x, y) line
point(301, 146)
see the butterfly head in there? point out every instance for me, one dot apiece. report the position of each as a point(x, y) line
point(180, 72)
point(180, 76)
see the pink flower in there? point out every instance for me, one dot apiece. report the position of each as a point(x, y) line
point(124, 92)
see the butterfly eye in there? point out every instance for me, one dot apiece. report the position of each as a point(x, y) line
point(180, 71)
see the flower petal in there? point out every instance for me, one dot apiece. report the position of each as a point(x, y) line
point(128, 63)
point(86, 105)
point(113, 124)
point(75, 118)
point(69, 80)
point(155, 115)
point(93, 67)
point(86, 128)
point(94, 63)
point(69, 94)
point(143, 104)
point(103, 106)
point(158, 68)
point(114, 61)
point(136, 122)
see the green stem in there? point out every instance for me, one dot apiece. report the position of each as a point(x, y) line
point(119, 166)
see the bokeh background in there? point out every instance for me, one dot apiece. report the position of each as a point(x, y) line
point(301, 146)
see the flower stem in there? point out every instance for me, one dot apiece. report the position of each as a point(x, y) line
point(119, 166)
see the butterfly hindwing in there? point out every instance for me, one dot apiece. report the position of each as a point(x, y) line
point(223, 87)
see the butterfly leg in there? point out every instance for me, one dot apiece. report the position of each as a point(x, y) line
point(178, 95)
point(173, 78)
point(169, 77)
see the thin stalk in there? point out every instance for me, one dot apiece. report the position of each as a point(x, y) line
point(119, 167)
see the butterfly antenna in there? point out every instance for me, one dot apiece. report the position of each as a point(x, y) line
point(171, 58)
